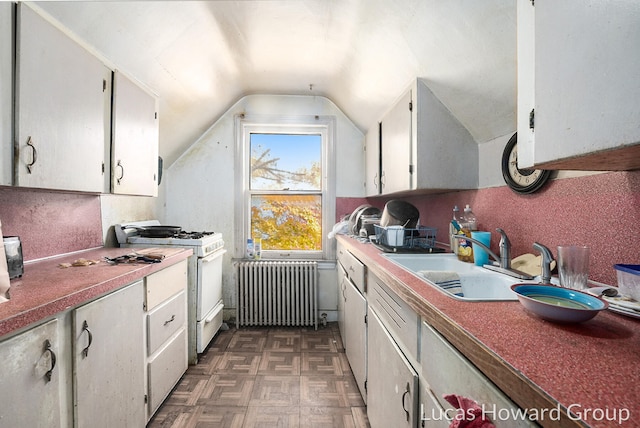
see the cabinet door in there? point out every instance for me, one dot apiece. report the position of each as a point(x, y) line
point(342, 299)
point(31, 382)
point(447, 371)
point(392, 384)
point(6, 92)
point(396, 146)
point(355, 312)
point(108, 360)
point(372, 161)
point(586, 92)
point(62, 108)
point(526, 82)
point(134, 164)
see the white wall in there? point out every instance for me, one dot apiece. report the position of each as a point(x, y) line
point(198, 189)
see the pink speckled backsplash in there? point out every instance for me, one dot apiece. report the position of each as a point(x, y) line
point(601, 211)
point(50, 223)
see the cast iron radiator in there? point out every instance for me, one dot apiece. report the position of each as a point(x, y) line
point(277, 293)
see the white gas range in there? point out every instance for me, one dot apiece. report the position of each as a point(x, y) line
point(205, 303)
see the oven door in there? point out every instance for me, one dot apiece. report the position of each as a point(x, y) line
point(208, 327)
point(209, 283)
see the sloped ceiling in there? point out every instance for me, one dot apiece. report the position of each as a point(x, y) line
point(200, 57)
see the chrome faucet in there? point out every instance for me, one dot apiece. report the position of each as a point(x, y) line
point(504, 260)
point(547, 258)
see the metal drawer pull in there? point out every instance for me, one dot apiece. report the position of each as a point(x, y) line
point(47, 348)
point(34, 155)
point(118, 179)
point(407, 391)
point(85, 327)
point(173, 317)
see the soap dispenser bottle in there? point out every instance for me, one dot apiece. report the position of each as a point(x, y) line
point(468, 222)
point(454, 228)
point(470, 218)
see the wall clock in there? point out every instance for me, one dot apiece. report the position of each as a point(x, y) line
point(520, 180)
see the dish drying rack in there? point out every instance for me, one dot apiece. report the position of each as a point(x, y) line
point(419, 237)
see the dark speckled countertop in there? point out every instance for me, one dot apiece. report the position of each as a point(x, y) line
point(46, 289)
point(592, 368)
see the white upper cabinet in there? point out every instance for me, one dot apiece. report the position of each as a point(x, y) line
point(424, 147)
point(134, 162)
point(395, 133)
point(62, 109)
point(578, 65)
point(6, 92)
point(372, 161)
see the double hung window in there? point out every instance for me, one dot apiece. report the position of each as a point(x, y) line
point(286, 180)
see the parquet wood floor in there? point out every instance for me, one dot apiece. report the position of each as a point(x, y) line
point(267, 377)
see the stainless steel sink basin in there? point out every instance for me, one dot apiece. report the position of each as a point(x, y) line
point(478, 284)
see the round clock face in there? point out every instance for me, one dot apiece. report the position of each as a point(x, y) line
point(520, 180)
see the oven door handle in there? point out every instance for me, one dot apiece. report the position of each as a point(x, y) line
point(215, 255)
point(213, 315)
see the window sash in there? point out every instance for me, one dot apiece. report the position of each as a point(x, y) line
point(323, 125)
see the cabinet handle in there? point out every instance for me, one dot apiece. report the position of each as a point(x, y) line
point(118, 179)
point(406, 391)
point(375, 180)
point(34, 155)
point(85, 327)
point(382, 177)
point(47, 348)
point(173, 317)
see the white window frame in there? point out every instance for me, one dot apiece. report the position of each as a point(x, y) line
point(246, 125)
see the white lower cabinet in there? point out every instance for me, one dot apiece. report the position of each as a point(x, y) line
point(31, 378)
point(342, 300)
point(352, 313)
point(166, 324)
point(447, 371)
point(392, 384)
point(355, 313)
point(108, 358)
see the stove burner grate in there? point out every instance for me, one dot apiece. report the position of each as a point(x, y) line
point(192, 235)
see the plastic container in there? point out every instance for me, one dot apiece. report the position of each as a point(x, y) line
point(250, 249)
point(453, 242)
point(629, 280)
point(395, 236)
point(470, 219)
point(257, 249)
point(468, 223)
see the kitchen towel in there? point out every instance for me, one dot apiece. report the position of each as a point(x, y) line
point(448, 280)
point(470, 414)
point(4, 273)
point(530, 264)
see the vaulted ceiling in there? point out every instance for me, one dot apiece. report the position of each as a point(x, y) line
point(200, 57)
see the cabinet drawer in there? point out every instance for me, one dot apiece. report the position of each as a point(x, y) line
point(398, 317)
point(166, 368)
point(161, 285)
point(165, 320)
point(447, 371)
point(432, 415)
point(355, 270)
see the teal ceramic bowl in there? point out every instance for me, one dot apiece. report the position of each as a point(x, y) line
point(558, 304)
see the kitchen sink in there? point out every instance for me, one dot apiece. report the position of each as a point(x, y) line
point(478, 284)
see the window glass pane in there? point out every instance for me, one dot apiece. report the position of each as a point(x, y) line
point(286, 161)
point(287, 222)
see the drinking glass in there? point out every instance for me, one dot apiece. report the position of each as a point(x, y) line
point(573, 266)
